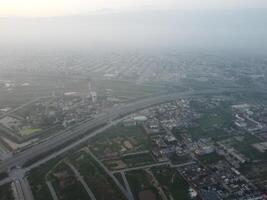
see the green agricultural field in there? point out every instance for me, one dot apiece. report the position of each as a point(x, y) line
point(172, 183)
point(6, 192)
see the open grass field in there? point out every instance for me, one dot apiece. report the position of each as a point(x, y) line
point(120, 179)
point(175, 159)
point(137, 160)
point(212, 123)
point(98, 181)
point(140, 181)
point(255, 172)
point(121, 131)
point(29, 131)
point(66, 184)
point(129, 161)
point(37, 180)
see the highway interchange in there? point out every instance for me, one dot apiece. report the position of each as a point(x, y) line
point(46, 145)
point(64, 141)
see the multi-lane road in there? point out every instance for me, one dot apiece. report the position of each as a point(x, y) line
point(48, 144)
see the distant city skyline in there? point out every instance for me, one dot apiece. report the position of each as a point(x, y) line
point(40, 8)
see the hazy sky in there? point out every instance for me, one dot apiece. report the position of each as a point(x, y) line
point(76, 7)
point(214, 24)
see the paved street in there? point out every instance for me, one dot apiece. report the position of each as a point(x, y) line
point(121, 188)
point(127, 185)
point(52, 190)
point(152, 165)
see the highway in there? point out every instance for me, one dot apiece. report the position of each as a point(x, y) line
point(52, 190)
point(128, 188)
point(21, 184)
point(46, 145)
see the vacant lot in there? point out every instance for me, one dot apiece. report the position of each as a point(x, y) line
point(213, 122)
point(141, 186)
point(66, 184)
point(244, 147)
point(119, 140)
point(211, 158)
point(37, 180)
